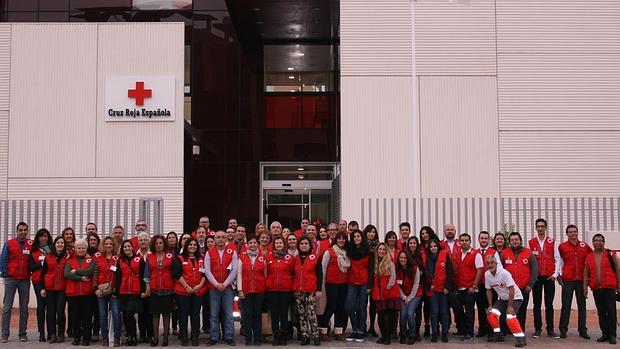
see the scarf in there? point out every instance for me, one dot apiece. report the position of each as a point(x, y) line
point(279, 254)
point(343, 261)
point(45, 248)
point(252, 253)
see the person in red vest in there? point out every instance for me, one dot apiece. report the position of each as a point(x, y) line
point(204, 222)
point(140, 227)
point(416, 255)
point(302, 230)
point(40, 248)
point(481, 297)
point(602, 276)
point(160, 283)
point(547, 254)
point(130, 289)
point(335, 268)
point(221, 266)
point(307, 288)
point(370, 232)
point(14, 269)
point(200, 234)
point(408, 281)
point(440, 276)
point(468, 267)
point(523, 266)
point(391, 242)
point(573, 254)
point(510, 301)
point(279, 286)
point(385, 293)
point(104, 281)
point(145, 319)
point(79, 271)
point(405, 231)
point(251, 288)
point(53, 285)
point(452, 244)
point(358, 284)
point(189, 288)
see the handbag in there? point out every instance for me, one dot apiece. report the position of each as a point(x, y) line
point(105, 289)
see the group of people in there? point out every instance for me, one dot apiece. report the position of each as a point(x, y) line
point(316, 279)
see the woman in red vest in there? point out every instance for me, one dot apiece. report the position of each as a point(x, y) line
point(160, 286)
point(391, 243)
point(440, 275)
point(385, 293)
point(40, 248)
point(79, 271)
point(104, 282)
point(307, 287)
point(279, 286)
point(130, 288)
point(174, 247)
point(189, 288)
point(251, 287)
point(370, 232)
point(358, 284)
point(416, 255)
point(335, 268)
point(53, 285)
point(408, 281)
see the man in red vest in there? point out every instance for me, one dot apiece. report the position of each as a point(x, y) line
point(453, 246)
point(221, 266)
point(601, 275)
point(302, 230)
point(468, 268)
point(405, 230)
point(573, 254)
point(481, 297)
point(14, 270)
point(547, 255)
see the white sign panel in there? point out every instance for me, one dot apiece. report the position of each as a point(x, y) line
point(140, 98)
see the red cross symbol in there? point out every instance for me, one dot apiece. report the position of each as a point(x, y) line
point(139, 93)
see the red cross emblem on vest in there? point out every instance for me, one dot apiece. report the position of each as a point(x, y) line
point(139, 93)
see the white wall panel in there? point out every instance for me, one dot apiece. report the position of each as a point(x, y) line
point(458, 137)
point(149, 149)
point(455, 37)
point(53, 100)
point(4, 153)
point(560, 163)
point(5, 65)
point(559, 92)
point(559, 26)
point(376, 37)
point(379, 140)
point(170, 189)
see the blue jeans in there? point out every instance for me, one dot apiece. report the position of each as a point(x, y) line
point(355, 304)
point(221, 301)
point(11, 286)
point(112, 303)
point(439, 311)
point(407, 317)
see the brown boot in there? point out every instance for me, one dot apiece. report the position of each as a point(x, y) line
point(325, 337)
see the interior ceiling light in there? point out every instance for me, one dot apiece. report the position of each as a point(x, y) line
point(259, 22)
point(256, 9)
point(316, 21)
point(316, 8)
point(297, 36)
point(290, 68)
point(300, 176)
point(299, 54)
point(300, 168)
point(291, 77)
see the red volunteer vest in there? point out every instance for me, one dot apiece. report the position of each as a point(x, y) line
point(323, 247)
point(280, 273)
point(380, 292)
point(305, 274)
point(358, 271)
point(456, 251)
point(574, 257)
point(518, 266)
point(334, 275)
point(253, 276)
point(466, 269)
point(192, 273)
point(17, 267)
point(219, 268)
point(161, 277)
point(55, 275)
point(404, 280)
point(107, 268)
point(545, 258)
point(79, 288)
point(487, 252)
point(608, 277)
point(130, 280)
point(440, 277)
point(38, 257)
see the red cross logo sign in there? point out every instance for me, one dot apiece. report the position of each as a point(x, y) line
point(139, 93)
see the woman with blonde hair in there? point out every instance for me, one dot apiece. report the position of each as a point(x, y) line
point(385, 295)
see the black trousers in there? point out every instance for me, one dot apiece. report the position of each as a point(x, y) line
point(336, 299)
point(387, 322)
point(189, 308)
point(206, 314)
point(522, 313)
point(95, 307)
point(41, 309)
point(279, 303)
point(605, 300)
point(56, 301)
point(130, 324)
point(82, 308)
point(543, 284)
point(145, 320)
point(481, 305)
point(466, 312)
point(570, 288)
point(251, 316)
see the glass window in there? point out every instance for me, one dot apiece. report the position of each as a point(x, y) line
point(210, 5)
point(53, 5)
point(162, 4)
point(22, 5)
point(84, 5)
point(53, 16)
point(22, 17)
point(291, 111)
point(298, 68)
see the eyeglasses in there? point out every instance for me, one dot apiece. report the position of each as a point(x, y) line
point(140, 225)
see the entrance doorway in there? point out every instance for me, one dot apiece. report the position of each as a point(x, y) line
point(291, 192)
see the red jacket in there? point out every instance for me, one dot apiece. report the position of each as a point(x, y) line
point(280, 273)
point(219, 268)
point(404, 280)
point(17, 267)
point(519, 265)
point(253, 276)
point(380, 292)
point(488, 252)
point(323, 246)
point(546, 257)
point(305, 274)
point(161, 277)
point(130, 276)
point(193, 273)
point(38, 257)
point(608, 276)
point(55, 273)
point(107, 268)
point(79, 288)
point(574, 257)
point(456, 251)
point(465, 269)
point(358, 271)
point(440, 277)
point(334, 275)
